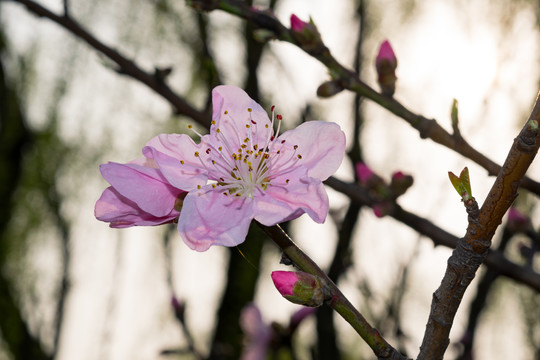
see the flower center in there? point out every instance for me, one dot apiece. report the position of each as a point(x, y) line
point(244, 158)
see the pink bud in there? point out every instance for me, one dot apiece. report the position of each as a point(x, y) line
point(386, 53)
point(398, 176)
point(284, 281)
point(363, 172)
point(378, 211)
point(297, 24)
point(517, 221)
point(382, 209)
point(386, 63)
point(400, 183)
point(300, 287)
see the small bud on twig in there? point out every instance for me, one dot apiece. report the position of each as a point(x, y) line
point(386, 64)
point(300, 287)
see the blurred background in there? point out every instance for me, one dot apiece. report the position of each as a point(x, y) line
point(72, 288)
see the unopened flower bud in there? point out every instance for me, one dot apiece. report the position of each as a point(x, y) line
point(300, 287)
point(307, 35)
point(400, 183)
point(363, 172)
point(386, 64)
point(517, 221)
point(329, 88)
point(297, 24)
point(382, 209)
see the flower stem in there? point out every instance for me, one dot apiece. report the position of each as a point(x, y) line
point(338, 301)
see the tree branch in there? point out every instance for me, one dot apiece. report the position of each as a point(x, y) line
point(472, 249)
point(125, 65)
point(439, 236)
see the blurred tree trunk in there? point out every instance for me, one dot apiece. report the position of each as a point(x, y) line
point(14, 138)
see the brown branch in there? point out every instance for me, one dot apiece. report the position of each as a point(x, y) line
point(348, 79)
point(473, 248)
point(494, 260)
point(125, 65)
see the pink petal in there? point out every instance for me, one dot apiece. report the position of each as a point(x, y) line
point(231, 115)
point(184, 176)
point(258, 334)
point(251, 320)
point(209, 217)
point(286, 201)
point(121, 212)
point(145, 186)
point(321, 145)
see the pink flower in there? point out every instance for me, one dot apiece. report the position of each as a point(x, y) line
point(297, 24)
point(139, 195)
point(242, 170)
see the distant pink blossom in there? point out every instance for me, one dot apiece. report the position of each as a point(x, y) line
point(242, 170)
point(297, 24)
point(138, 195)
point(258, 333)
point(517, 221)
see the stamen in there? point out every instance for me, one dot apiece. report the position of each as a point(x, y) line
point(190, 127)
